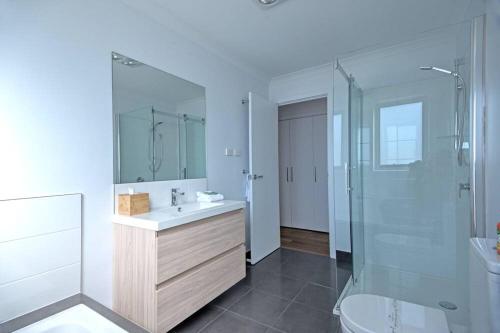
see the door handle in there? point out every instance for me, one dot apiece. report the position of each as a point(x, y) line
point(287, 174)
point(347, 172)
point(315, 175)
point(291, 174)
point(255, 177)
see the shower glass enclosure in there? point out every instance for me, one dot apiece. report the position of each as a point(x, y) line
point(407, 193)
point(155, 145)
point(192, 147)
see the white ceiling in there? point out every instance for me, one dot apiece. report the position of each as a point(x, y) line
point(297, 34)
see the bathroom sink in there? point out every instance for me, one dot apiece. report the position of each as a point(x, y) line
point(189, 208)
point(169, 217)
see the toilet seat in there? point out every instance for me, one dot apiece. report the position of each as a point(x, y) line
point(365, 313)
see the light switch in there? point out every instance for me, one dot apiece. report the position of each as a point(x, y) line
point(228, 152)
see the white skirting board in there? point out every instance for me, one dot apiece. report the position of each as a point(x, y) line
point(40, 252)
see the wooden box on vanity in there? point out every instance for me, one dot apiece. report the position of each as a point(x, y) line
point(162, 277)
point(133, 204)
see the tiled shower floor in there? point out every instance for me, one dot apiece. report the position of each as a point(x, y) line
point(417, 288)
point(289, 291)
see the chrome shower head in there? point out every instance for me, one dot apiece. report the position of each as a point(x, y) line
point(442, 70)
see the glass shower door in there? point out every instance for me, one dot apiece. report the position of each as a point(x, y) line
point(192, 143)
point(134, 145)
point(166, 145)
point(354, 172)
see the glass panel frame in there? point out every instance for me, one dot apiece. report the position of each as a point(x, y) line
point(355, 178)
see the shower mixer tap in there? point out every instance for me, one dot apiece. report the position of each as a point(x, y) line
point(463, 187)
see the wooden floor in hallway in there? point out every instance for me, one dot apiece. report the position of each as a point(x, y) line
point(305, 240)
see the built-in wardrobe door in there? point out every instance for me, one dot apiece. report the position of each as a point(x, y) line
point(320, 174)
point(302, 173)
point(284, 164)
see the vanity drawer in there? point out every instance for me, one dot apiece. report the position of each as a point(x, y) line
point(182, 296)
point(186, 246)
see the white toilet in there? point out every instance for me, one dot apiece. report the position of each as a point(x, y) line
point(484, 285)
point(366, 313)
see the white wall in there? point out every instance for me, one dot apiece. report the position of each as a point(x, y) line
point(56, 108)
point(315, 107)
point(302, 85)
point(308, 84)
point(492, 163)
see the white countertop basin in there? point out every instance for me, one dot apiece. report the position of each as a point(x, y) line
point(169, 217)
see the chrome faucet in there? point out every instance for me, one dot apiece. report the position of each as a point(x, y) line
point(175, 196)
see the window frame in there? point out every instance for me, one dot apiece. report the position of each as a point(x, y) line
point(377, 133)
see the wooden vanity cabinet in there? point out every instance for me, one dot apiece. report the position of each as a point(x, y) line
point(162, 277)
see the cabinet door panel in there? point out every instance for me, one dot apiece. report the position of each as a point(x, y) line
point(180, 297)
point(189, 245)
point(284, 156)
point(302, 173)
point(321, 173)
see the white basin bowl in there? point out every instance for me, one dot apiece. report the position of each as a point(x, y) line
point(189, 208)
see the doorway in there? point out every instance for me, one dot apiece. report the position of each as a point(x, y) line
point(303, 176)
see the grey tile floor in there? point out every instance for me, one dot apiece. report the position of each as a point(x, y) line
point(289, 291)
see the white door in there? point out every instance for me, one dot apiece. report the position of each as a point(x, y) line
point(302, 173)
point(284, 164)
point(320, 174)
point(264, 173)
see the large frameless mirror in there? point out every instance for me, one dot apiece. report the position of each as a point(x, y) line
point(159, 124)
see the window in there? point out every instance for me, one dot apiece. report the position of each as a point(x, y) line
point(400, 134)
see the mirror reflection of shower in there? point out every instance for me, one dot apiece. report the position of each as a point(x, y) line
point(160, 145)
point(460, 113)
point(156, 148)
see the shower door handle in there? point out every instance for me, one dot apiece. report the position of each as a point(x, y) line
point(347, 172)
point(456, 133)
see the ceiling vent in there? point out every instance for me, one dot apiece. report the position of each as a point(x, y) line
point(268, 3)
